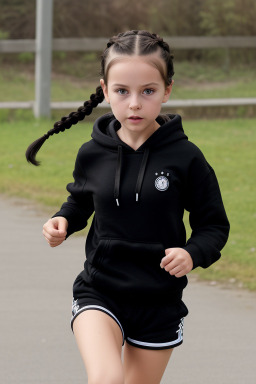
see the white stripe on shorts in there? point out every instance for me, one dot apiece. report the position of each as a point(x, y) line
point(99, 308)
point(161, 345)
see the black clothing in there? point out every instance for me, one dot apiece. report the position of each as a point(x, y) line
point(147, 324)
point(139, 197)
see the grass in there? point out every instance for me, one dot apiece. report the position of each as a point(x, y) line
point(201, 81)
point(229, 146)
point(20, 87)
point(44, 185)
point(75, 80)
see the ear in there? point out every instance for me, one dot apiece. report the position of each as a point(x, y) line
point(167, 92)
point(105, 90)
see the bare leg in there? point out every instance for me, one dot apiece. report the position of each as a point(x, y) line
point(143, 366)
point(99, 340)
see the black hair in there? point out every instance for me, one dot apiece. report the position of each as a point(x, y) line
point(127, 43)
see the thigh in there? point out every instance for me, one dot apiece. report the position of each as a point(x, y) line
point(99, 340)
point(144, 366)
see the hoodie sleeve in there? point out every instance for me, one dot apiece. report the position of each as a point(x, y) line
point(79, 205)
point(208, 219)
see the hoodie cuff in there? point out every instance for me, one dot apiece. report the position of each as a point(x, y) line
point(195, 254)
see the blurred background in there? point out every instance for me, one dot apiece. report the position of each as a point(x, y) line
point(214, 45)
point(226, 134)
point(220, 72)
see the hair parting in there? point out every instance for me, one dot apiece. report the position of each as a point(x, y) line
point(127, 43)
point(139, 43)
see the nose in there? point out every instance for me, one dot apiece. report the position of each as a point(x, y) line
point(135, 103)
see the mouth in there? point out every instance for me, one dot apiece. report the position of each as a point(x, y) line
point(135, 118)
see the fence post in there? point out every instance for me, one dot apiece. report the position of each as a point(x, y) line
point(44, 9)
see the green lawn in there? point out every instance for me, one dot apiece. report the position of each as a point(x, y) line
point(76, 80)
point(229, 146)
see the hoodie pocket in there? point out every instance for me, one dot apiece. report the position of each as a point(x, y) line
point(129, 267)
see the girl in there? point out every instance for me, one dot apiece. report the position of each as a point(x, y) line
point(138, 174)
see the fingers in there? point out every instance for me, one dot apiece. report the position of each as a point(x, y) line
point(177, 262)
point(53, 241)
point(62, 225)
point(55, 231)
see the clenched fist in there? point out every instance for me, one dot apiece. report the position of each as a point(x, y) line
point(55, 231)
point(177, 262)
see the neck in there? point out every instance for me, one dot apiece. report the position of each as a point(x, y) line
point(135, 139)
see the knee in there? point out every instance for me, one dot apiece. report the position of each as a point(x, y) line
point(112, 377)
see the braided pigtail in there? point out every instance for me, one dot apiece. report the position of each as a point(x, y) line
point(65, 123)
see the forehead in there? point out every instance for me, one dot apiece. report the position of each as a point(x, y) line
point(146, 65)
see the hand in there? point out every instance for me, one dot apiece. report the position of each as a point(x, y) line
point(177, 262)
point(55, 231)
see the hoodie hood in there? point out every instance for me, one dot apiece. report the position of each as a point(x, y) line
point(105, 133)
point(105, 128)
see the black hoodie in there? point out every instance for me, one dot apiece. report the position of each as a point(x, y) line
point(139, 199)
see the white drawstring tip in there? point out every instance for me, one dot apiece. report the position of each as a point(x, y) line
point(117, 202)
point(137, 197)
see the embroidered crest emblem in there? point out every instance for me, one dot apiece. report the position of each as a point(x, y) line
point(162, 182)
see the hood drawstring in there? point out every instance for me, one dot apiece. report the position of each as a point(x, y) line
point(140, 175)
point(118, 173)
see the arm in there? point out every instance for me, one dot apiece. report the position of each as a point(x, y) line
point(208, 221)
point(209, 224)
point(79, 205)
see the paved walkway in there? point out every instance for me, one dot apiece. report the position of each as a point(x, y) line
point(37, 346)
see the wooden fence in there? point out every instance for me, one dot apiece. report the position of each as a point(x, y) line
point(98, 44)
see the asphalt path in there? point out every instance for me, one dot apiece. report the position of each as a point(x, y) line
point(37, 345)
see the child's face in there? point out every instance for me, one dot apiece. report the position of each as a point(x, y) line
point(135, 90)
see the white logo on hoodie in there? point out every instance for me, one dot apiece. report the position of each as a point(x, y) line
point(161, 182)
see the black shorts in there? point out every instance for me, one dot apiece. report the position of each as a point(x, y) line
point(148, 324)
